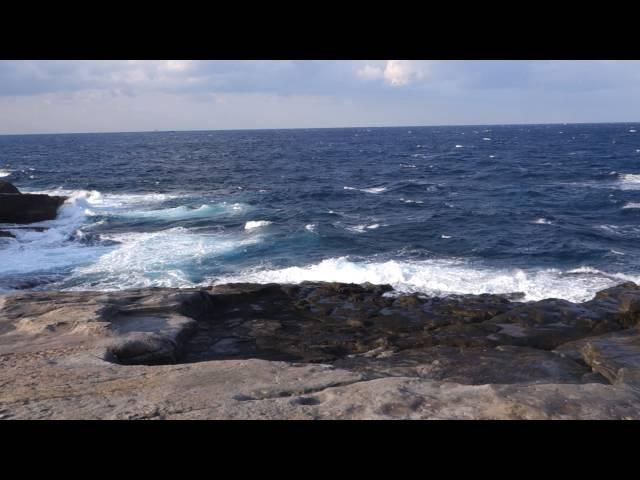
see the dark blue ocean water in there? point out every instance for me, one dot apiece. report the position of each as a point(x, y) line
point(548, 210)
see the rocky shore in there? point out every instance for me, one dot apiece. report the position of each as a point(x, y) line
point(17, 207)
point(317, 351)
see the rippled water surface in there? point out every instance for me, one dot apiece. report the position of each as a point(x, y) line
point(548, 210)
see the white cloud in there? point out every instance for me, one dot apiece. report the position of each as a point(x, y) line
point(403, 72)
point(40, 96)
point(396, 73)
point(370, 72)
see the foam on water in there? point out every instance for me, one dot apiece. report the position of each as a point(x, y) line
point(168, 258)
point(4, 173)
point(357, 228)
point(629, 181)
point(252, 224)
point(65, 245)
point(184, 212)
point(374, 190)
point(58, 247)
point(632, 205)
point(442, 277)
point(362, 228)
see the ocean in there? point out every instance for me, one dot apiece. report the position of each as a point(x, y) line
point(542, 210)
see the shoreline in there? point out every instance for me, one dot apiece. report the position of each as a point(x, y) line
point(317, 350)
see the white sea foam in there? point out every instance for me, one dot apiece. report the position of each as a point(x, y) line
point(65, 244)
point(57, 247)
point(486, 139)
point(310, 227)
point(112, 200)
point(459, 146)
point(543, 221)
point(184, 212)
point(445, 236)
point(256, 224)
point(368, 190)
point(632, 131)
point(442, 277)
point(631, 205)
point(4, 173)
point(629, 181)
point(357, 228)
point(163, 259)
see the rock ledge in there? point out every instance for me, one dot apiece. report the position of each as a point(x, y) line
point(317, 350)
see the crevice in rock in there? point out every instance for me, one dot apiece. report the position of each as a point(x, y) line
point(301, 392)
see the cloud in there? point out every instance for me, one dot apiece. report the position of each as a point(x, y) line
point(396, 73)
point(403, 72)
point(370, 72)
point(183, 94)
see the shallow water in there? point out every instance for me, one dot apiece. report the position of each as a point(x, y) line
point(548, 210)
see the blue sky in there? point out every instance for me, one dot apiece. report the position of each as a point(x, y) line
point(106, 96)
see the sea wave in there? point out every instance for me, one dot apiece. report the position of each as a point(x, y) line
point(362, 228)
point(444, 277)
point(111, 200)
point(185, 212)
point(253, 224)
point(168, 258)
point(629, 181)
point(68, 246)
point(374, 190)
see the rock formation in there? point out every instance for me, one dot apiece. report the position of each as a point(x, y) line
point(317, 351)
point(6, 187)
point(16, 207)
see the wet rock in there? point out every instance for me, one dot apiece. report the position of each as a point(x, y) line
point(6, 187)
point(28, 208)
point(549, 323)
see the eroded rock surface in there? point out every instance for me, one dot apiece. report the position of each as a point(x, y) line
point(317, 350)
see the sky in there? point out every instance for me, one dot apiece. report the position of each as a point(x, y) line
point(73, 96)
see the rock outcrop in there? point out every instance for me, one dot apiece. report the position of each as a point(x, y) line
point(16, 207)
point(6, 187)
point(317, 350)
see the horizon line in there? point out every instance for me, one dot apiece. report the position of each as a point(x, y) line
point(318, 128)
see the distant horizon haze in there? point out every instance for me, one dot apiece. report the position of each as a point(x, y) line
point(357, 127)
